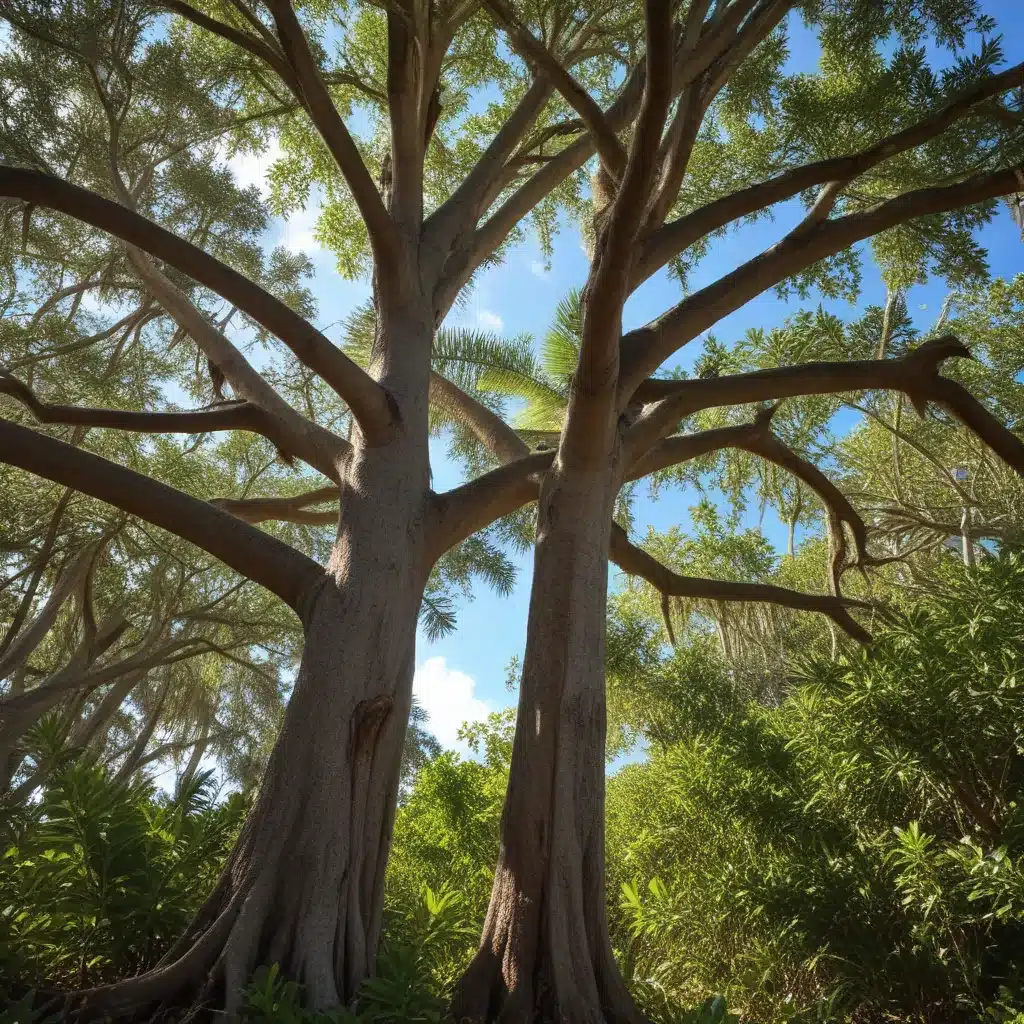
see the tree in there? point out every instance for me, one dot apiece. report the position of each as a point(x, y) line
point(691, 124)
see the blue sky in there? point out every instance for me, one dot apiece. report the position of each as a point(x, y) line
point(462, 676)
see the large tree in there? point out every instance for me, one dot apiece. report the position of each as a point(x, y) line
point(690, 122)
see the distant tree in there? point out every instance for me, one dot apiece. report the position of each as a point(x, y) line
point(690, 122)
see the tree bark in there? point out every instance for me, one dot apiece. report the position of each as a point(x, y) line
point(303, 887)
point(545, 954)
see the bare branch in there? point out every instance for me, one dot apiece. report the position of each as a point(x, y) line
point(460, 512)
point(479, 187)
point(289, 510)
point(690, 63)
point(637, 562)
point(303, 437)
point(365, 397)
point(916, 375)
point(226, 416)
point(250, 552)
point(487, 427)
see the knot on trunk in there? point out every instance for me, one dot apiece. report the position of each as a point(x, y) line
point(367, 718)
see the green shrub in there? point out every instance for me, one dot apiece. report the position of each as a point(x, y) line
point(98, 878)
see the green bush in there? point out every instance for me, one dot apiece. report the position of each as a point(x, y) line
point(99, 878)
point(856, 850)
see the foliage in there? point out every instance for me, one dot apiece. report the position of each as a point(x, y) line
point(856, 848)
point(98, 878)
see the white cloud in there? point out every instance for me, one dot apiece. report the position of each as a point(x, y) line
point(538, 269)
point(252, 169)
point(446, 694)
point(297, 230)
point(486, 318)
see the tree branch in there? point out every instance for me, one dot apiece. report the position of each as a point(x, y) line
point(227, 416)
point(609, 148)
point(296, 434)
point(365, 397)
point(916, 375)
point(645, 349)
point(487, 427)
point(256, 555)
point(637, 562)
point(463, 510)
point(329, 123)
point(463, 208)
point(590, 416)
point(259, 48)
point(28, 639)
point(672, 239)
point(691, 62)
point(289, 510)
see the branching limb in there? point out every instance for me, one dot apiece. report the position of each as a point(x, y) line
point(365, 397)
point(259, 48)
point(916, 375)
point(690, 63)
point(637, 562)
point(590, 416)
point(670, 240)
point(478, 189)
point(35, 570)
point(226, 416)
point(645, 349)
point(533, 51)
point(250, 552)
point(289, 510)
point(295, 433)
point(758, 439)
point(379, 225)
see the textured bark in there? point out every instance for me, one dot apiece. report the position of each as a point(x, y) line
point(545, 953)
point(303, 887)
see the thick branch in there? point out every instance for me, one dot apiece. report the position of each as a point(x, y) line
point(645, 349)
point(916, 375)
point(672, 239)
point(589, 419)
point(250, 552)
point(478, 188)
point(289, 510)
point(638, 562)
point(462, 511)
point(487, 427)
point(364, 396)
point(336, 136)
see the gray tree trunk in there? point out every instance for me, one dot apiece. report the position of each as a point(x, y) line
point(303, 887)
point(545, 954)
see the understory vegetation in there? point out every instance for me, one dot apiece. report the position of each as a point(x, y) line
point(854, 851)
point(261, 437)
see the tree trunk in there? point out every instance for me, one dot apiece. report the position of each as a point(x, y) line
point(545, 954)
point(303, 887)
